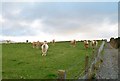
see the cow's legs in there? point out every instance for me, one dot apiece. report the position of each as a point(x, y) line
point(44, 54)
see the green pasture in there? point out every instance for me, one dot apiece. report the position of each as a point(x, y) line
point(20, 60)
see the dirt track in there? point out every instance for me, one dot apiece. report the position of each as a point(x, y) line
point(109, 68)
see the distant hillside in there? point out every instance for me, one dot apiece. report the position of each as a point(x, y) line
point(7, 41)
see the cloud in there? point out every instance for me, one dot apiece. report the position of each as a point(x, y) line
point(16, 12)
point(35, 24)
point(60, 20)
point(2, 20)
point(68, 26)
point(22, 27)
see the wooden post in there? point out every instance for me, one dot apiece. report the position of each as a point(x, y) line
point(93, 53)
point(91, 74)
point(61, 75)
point(86, 64)
point(93, 50)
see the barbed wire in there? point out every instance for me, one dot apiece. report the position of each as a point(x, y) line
point(79, 73)
point(91, 62)
point(96, 58)
point(72, 66)
point(91, 59)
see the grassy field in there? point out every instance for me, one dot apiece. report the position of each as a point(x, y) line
point(22, 61)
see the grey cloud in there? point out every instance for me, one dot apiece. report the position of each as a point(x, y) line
point(80, 24)
point(61, 19)
point(18, 31)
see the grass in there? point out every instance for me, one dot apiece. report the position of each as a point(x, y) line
point(23, 61)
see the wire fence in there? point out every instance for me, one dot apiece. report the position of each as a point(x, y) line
point(68, 71)
point(90, 66)
point(94, 62)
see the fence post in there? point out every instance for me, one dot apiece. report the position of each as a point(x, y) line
point(92, 72)
point(93, 54)
point(61, 75)
point(86, 64)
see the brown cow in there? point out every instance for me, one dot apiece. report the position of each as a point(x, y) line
point(86, 44)
point(37, 44)
point(34, 44)
point(73, 43)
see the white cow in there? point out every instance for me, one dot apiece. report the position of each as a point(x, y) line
point(94, 43)
point(44, 48)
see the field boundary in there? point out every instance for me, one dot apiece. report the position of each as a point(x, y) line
point(95, 64)
point(91, 63)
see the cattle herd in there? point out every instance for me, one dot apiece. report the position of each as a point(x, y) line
point(44, 45)
point(37, 44)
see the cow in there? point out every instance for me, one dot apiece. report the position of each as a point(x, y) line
point(44, 48)
point(73, 43)
point(37, 44)
point(34, 44)
point(86, 44)
point(94, 43)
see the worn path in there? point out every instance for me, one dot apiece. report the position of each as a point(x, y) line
point(109, 68)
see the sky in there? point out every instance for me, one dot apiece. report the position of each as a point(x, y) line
point(61, 21)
